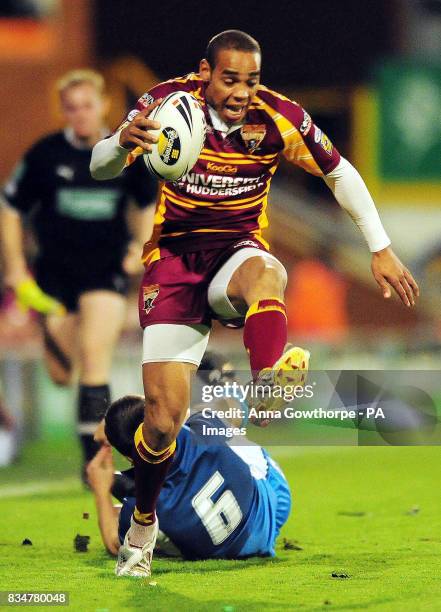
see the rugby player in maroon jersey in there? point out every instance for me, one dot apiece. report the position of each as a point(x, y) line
point(207, 258)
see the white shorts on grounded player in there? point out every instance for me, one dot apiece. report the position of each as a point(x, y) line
point(174, 342)
point(218, 288)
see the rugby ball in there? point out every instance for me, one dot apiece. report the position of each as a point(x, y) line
point(181, 136)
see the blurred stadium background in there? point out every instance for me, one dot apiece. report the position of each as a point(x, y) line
point(370, 75)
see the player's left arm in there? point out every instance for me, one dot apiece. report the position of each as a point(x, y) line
point(305, 145)
point(100, 474)
point(351, 193)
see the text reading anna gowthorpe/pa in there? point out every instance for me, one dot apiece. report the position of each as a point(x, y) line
point(254, 402)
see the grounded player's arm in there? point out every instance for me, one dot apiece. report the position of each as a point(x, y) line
point(100, 474)
point(352, 194)
point(111, 155)
point(107, 521)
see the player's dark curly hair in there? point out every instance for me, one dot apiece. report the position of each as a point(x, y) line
point(122, 419)
point(230, 39)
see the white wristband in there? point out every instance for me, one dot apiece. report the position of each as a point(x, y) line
point(108, 158)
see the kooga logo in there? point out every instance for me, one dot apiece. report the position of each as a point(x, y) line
point(216, 168)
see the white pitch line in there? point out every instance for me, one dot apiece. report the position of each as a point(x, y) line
point(37, 488)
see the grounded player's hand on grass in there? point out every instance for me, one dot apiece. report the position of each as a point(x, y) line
point(100, 470)
point(136, 133)
point(389, 272)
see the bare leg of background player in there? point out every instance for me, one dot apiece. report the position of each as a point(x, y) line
point(101, 318)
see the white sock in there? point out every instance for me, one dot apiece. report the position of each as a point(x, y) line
point(140, 535)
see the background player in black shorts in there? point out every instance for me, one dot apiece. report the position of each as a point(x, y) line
point(85, 253)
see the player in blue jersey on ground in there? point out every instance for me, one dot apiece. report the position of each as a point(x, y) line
point(219, 500)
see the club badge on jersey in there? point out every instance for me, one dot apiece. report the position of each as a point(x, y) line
point(150, 293)
point(252, 135)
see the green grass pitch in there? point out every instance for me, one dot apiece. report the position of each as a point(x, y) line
point(372, 514)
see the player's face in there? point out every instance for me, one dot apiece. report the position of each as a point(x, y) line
point(83, 108)
point(232, 83)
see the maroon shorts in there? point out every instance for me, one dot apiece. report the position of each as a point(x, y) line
point(174, 288)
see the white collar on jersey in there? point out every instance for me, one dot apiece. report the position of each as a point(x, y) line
point(220, 125)
point(69, 135)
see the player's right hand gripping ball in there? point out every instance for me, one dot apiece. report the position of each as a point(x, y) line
point(181, 136)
